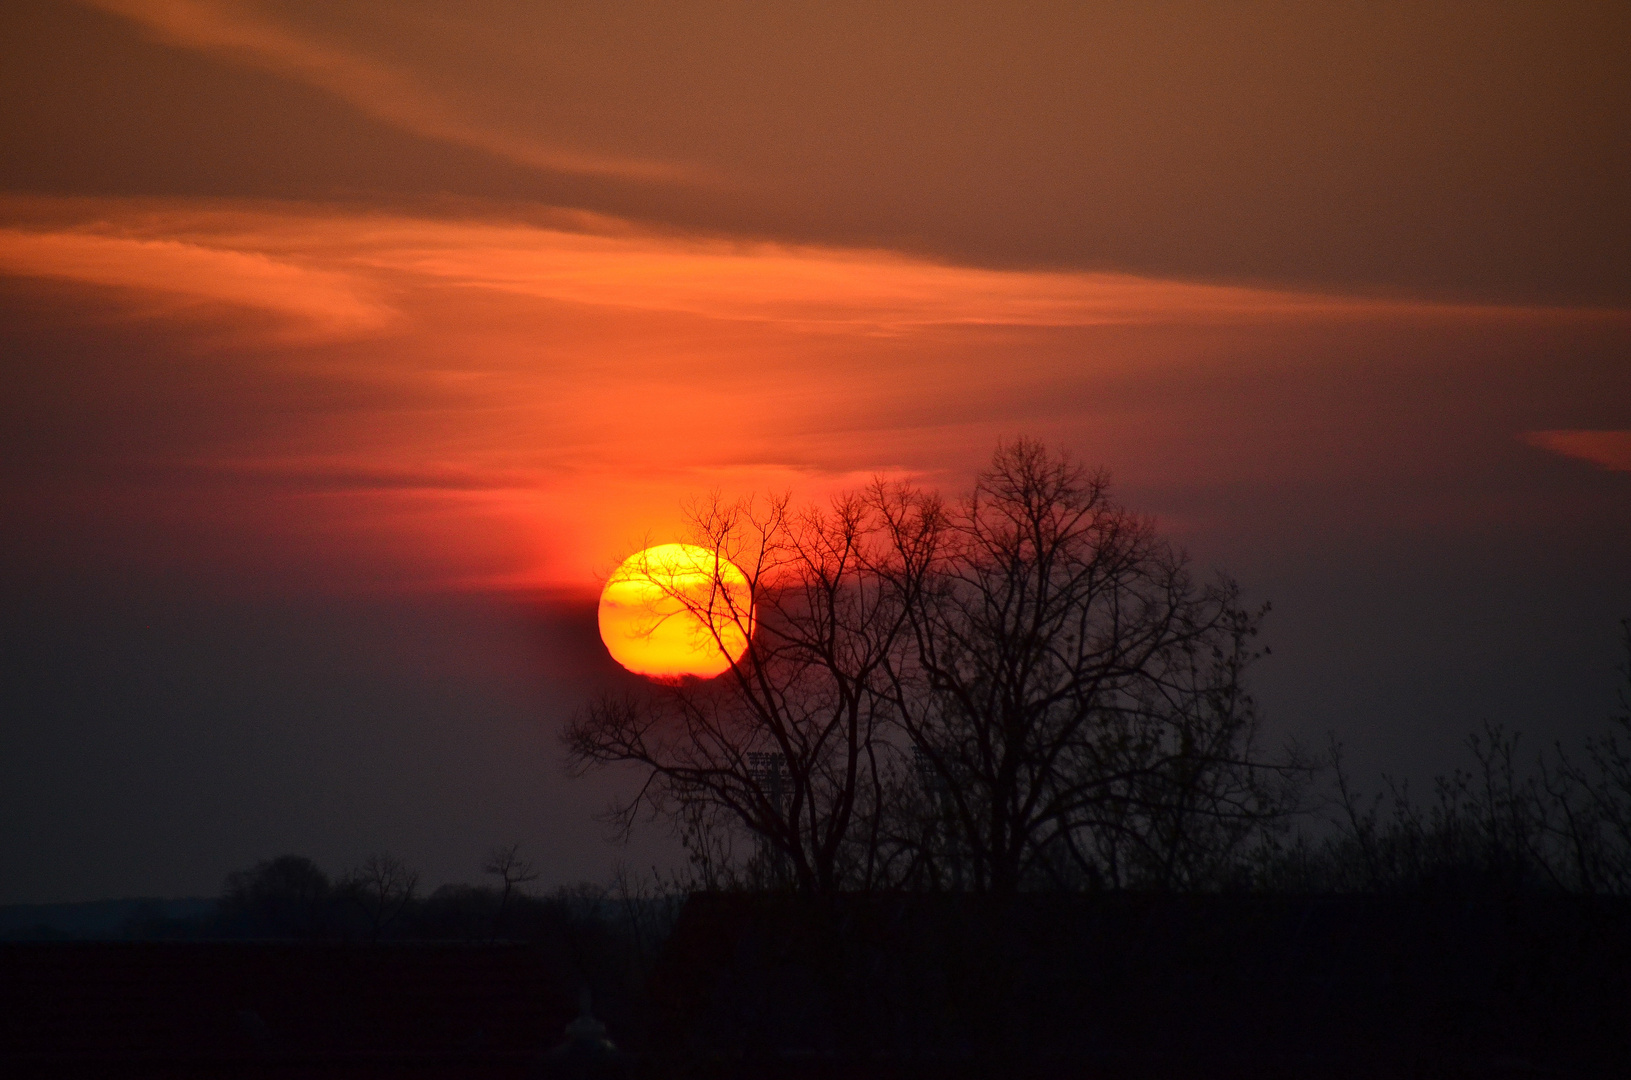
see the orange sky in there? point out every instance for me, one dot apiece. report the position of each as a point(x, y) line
point(429, 314)
point(558, 387)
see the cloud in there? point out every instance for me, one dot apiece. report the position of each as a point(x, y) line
point(238, 31)
point(1309, 148)
point(1609, 449)
point(344, 476)
point(848, 288)
point(332, 266)
point(510, 401)
point(324, 302)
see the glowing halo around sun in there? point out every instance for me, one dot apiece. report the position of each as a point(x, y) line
point(675, 610)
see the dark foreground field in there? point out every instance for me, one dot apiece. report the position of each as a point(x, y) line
point(1117, 986)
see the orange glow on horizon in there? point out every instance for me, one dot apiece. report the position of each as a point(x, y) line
point(675, 610)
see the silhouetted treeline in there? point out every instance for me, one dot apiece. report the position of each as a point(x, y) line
point(1554, 823)
point(1028, 689)
point(1513, 821)
point(291, 898)
point(603, 938)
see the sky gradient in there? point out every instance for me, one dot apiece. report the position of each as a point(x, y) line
point(348, 348)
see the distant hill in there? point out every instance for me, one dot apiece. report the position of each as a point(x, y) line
point(99, 920)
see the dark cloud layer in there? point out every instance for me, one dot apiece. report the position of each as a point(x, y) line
point(1473, 150)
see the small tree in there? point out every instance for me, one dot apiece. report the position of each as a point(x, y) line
point(506, 864)
point(285, 897)
point(383, 887)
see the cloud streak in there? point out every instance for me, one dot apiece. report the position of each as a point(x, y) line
point(240, 32)
point(336, 269)
point(320, 302)
point(1609, 449)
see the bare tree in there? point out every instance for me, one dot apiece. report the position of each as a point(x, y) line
point(1592, 798)
point(1031, 687)
point(506, 864)
point(1074, 693)
point(383, 886)
point(790, 744)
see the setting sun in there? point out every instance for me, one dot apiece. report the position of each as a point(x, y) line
point(674, 610)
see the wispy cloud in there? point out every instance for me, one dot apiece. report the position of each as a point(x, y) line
point(878, 290)
point(347, 476)
point(317, 301)
point(252, 37)
point(335, 268)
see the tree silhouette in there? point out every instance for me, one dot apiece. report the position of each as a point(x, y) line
point(1592, 797)
point(790, 743)
point(1030, 685)
point(506, 864)
point(285, 897)
point(383, 886)
point(1074, 693)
